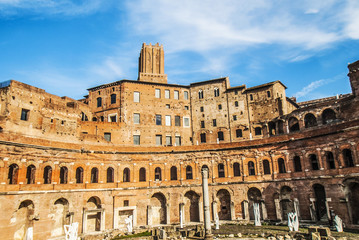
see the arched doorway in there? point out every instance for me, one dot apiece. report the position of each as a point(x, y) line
point(254, 196)
point(224, 208)
point(24, 225)
point(191, 207)
point(61, 217)
point(353, 198)
point(320, 205)
point(159, 209)
point(286, 201)
point(93, 215)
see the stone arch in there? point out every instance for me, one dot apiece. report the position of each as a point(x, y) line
point(189, 172)
point(329, 156)
point(24, 217)
point(224, 208)
point(142, 174)
point(30, 174)
point(352, 195)
point(47, 176)
point(13, 174)
point(293, 124)
point(328, 116)
point(93, 214)
point(320, 202)
point(173, 173)
point(281, 165)
point(310, 120)
point(64, 172)
point(286, 201)
point(159, 209)
point(314, 161)
point(297, 163)
point(236, 169)
point(79, 175)
point(348, 157)
point(158, 174)
point(254, 195)
point(266, 167)
point(61, 217)
point(110, 175)
point(192, 206)
point(221, 171)
point(94, 175)
point(251, 168)
point(126, 175)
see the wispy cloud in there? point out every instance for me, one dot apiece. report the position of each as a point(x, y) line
point(305, 91)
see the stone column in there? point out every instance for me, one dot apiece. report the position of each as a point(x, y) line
point(233, 213)
point(168, 216)
point(149, 216)
point(312, 209)
point(296, 207)
point(214, 209)
point(207, 218)
point(246, 210)
point(277, 209)
point(264, 211)
point(181, 208)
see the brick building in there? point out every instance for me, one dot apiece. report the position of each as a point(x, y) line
point(136, 147)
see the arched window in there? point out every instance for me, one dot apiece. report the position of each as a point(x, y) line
point(30, 174)
point(110, 175)
point(94, 175)
point(189, 174)
point(266, 167)
point(281, 165)
point(142, 174)
point(99, 102)
point(236, 169)
point(314, 161)
point(293, 124)
point(216, 92)
point(126, 175)
point(158, 174)
point(13, 174)
point(63, 175)
point(251, 169)
point(328, 116)
point(79, 175)
point(310, 120)
point(200, 94)
point(47, 175)
point(348, 158)
point(221, 172)
point(258, 131)
point(297, 164)
point(173, 173)
point(330, 160)
point(84, 117)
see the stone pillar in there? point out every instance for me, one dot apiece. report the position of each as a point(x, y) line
point(312, 209)
point(207, 217)
point(278, 209)
point(327, 200)
point(246, 210)
point(296, 207)
point(200, 207)
point(232, 211)
point(181, 208)
point(149, 215)
point(214, 209)
point(168, 216)
point(264, 211)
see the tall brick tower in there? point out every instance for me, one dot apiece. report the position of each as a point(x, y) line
point(354, 77)
point(151, 67)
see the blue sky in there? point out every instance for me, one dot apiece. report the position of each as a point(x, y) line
point(66, 46)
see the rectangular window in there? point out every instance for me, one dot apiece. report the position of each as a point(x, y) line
point(113, 98)
point(136, 118)
point(203, 137)
point(177, 121)
point(251, 97)
point(234, 117)
point(158, 120)
point(186, 108)
point(136, 139)
point(220, 136)
point(158, 93)
point(168, 120)
point(214, 121)
point(112, 118)
point(219, 106)
point(168, 106)
point(268, 94)
point(178, 141)
point(185, 95)
point(168, 140)
point(167, 94)
point(159, 140)
point(25, 114)
point(136, 96)
point(202, 124)
point(107, 136)
point(186, 121)
point(99, 102)
point(176, 95)
point(202, 109)
point(239, 133)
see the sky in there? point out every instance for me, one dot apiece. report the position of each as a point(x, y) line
point(68, 46)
